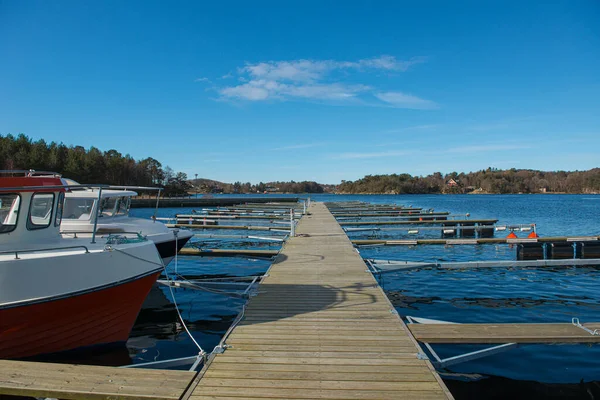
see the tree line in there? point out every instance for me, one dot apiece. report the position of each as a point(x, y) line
point(210, 186)
point(88, 166)
point(111, 167)
point(490, 180)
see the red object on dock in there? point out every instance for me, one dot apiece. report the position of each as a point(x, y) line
point(512, 236)
point(100, 317)
point(533, 235)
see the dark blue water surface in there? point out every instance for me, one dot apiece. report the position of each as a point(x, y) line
point(473, 295)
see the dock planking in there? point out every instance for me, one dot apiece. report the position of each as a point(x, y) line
point(67, 381)
point(449, 223)
point(505, 333)
point(189, 251)
point(451, 242)
point(320, 327)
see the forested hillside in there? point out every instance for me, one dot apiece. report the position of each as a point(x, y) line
point(87, 166)
point(486, 181)
point(210, 186)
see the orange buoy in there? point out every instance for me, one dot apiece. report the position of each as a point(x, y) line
point(533, 235)
point(511, 236)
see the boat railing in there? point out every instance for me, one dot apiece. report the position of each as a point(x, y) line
point(17, 252)
point(29, 172)
point(103, 234)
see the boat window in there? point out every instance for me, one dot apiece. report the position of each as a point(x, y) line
point(9, 211)
point(59, 209)
point(107, 207)
point(40, 210)
point(78, 208)
point(123, 205)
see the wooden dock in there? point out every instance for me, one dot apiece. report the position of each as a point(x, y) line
point(452, 242)
point(320, 328)
point(66, 381)
point(504, 333)
point(150, 202)
point(189, 251)
point(448, 222)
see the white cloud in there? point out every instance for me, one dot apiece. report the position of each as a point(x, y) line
point(298, 146)
point(487, 147)
point(402, 100)
point(380, 154)
point(390, 63)
point(202, 80)
point(263, 89)
point(311, 70)
point(414, 128)
point(315, 80)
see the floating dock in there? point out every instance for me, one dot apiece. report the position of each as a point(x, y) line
point(320, 328)
point(453, 222)
point(66, 381)
point(188, 251)
point(206, 202)
point(452, 242)
point(505, 333)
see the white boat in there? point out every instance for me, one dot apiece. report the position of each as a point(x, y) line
point(113, 218)
point(59, 293)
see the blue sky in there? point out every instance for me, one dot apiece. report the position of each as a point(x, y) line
point(307, 90)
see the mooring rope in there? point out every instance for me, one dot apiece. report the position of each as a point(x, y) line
point(201, 352)
point(197, 286)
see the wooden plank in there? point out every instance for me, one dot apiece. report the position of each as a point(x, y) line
point(188, 251)
point(450, 223)
point(322, 354)
point(322, 361)
point(430, 385)
point(263, 393)
point(396, 370)
point(424, 376)
point(504, 333)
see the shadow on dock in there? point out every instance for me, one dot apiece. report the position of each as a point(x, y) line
point(282, 301)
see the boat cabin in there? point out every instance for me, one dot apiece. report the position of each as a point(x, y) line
point(30, 210)
point(80, 209)
point(81, 204)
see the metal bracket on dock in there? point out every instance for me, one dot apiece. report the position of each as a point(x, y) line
point(575, 321)
point(242, 288)
point(439, 362)
point(220, 349)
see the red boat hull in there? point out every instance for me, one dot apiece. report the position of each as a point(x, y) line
point(99, 317)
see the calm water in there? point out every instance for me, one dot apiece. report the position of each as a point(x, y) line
point(474, 295)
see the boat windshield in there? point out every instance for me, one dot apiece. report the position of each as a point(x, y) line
point(80, 209)
point(107, 206)
point(9, 211)
point(123, 205)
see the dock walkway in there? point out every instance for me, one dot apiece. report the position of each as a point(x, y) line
point(320, 328)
